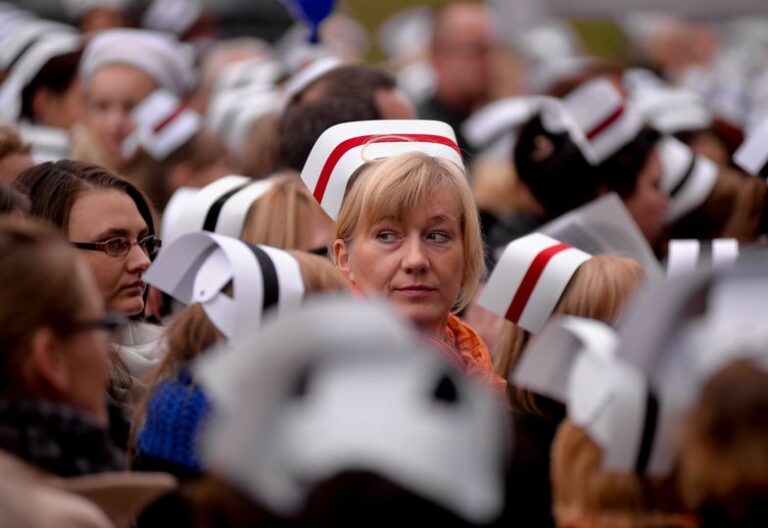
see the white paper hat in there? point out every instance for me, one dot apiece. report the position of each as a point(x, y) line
point(163, 124)
point(232, 113)
point(497, 121)
point(605, 226)
point(353, 389)
point(687, 177)
point(28, 64)
point(23, 35)
point(221, 207)
point(752, 154)
point(573, 360)
point(671, 110)
point(343, 148)
point(197, 267)
point(46, 143)
point(529, 278)
point(309, 74)
point(172, 16)
point(603, 117)
point(256, 73)
point(687, 255)
point(162, 57)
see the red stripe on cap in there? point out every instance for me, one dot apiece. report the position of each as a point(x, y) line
point(165, 122)
point(348, 144)
point(605, 123)
point(531, 277)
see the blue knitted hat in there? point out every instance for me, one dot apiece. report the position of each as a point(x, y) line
point(174, 414)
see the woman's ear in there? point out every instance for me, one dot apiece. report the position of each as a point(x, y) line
point(46, 367)
point(341, 258)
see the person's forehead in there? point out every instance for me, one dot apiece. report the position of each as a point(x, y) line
point(101, 210)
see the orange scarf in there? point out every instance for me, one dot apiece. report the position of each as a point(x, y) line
point(473, 352)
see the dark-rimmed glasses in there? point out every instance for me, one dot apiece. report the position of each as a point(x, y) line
point(119, 247)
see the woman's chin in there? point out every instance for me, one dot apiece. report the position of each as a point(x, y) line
point(129, 306)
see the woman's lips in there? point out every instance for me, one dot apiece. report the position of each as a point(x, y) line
point(137, 286)
point(415, 291)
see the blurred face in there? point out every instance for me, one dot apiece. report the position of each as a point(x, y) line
point(85, 353)
point(416, 262)
point(111, 95)
point(648, 203)
point(101, 215)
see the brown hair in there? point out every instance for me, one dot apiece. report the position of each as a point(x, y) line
point(724, 459)
point(54, 187)
point(399, 185)
point(12, 201)
point(11, 142)
point(584, 492)
point(201, 151)
point(281, 217)
point(35, 292)
point(598, 290)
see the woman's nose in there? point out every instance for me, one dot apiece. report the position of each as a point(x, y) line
point(414, 257)
point(137, 259)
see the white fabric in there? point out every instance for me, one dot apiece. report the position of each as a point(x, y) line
point(501, 116)
point(684, 255)
point(23, 32)
point(310, 74)
point(590, 105)
point(232, 113)
point(46, 143)
point(671, 110)
point(257, 73)
point(752, 154)
point(368, 405)
point(371, 149)
point(508, 275)
point(676, 158)
point(168, 62)
point(158, 141)
point(28, 66)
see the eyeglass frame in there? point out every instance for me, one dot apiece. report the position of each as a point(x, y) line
point(102, 246)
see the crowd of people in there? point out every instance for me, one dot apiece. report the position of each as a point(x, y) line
point(490, 281)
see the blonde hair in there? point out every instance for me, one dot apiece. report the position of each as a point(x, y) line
point(582, 491)
point(598, 290)
point(399, 185)
point(283, 216)
point(723, 458)
point(191, 333)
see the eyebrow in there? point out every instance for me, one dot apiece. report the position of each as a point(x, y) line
point(116, 232)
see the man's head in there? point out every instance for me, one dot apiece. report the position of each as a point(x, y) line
point(461, 54)
point(347, 93)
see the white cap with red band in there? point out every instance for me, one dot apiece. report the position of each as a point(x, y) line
point(343, 148)
point(603, 117)
point(163, 125)
point(531, 275)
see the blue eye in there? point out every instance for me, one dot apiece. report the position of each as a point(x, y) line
point(439, 236)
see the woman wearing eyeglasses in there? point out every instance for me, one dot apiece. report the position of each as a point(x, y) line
point(110, 221)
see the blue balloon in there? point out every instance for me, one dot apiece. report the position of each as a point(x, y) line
point(313, 12)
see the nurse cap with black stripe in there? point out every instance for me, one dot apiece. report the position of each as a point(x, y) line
point(198, 266)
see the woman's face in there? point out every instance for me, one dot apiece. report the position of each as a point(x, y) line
point(84, 353)
point(101, 215)
point(417, 262)
point(112, 93)
point(648, 203)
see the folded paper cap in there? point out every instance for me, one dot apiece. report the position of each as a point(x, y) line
point(687, 177)
point(499, 119)
point(686, 256)
point(163, 124)
point(28, 63)
point(197, 267)
point(354, 390)
point(603, 117)
point(752, 155)
point(220, 207)
point(172, 16)
point(23, 35)
point(168, 62)
point(529, 279)
point(671, 110)
point(573, 360)
point(309, 74)
point(343, 148)
point(46, 143)
point(605, 226)
point(232, 113)
point(259, 73)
